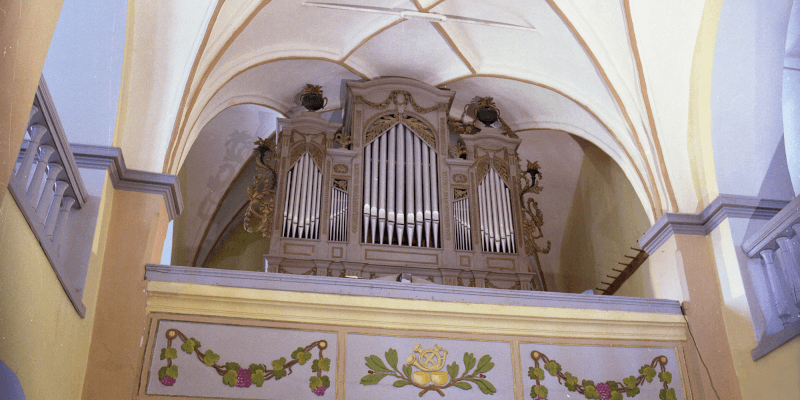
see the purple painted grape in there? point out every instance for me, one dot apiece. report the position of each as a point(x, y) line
point(320, 391)
point(167, 381)
point(604, 390)
point(243, 378)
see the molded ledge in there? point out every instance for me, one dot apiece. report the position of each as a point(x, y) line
point(724, 206)
point(778, 226)
point(397, 290)
point(769, 343)
point(110, 158)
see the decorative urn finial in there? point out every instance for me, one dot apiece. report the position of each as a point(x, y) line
point(311, 98)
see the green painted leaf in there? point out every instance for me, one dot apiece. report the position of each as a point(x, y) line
point(376, 364)
point(189, 345)
point(536, 373)
point(326, 381)
point(169, 353)
point(314, 382)
point(485, 386)
point(279, 373)
point(463, 385)
point(587, 383)
point(632, 391)
point(667, 394)
point(296, 352)
point(539, 390)
point(552, 367)
point(571, 382)
point(407, 371)
point(613, 385)
point(254, 367)
point(400, 383)
point(665, 377)
point(391, 358)
point(485, 364)
point(469, 362)
point(616, 395)
point(302, 358)
point(648, 372)
point(210, 358)
point(257, 376)
point(591, 392)
point(172, 372)
point(325, 364)
point(372, 379)
point(230, 378)
point(278, 364)
point(232, 366)
point(630, 381)
point(452, 370)
point(162, 373)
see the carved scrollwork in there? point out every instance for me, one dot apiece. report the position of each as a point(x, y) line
point(340, 183)
point(459, 178)
point(507, 130)
point(341, 169)
point(459, 150)
point(462, 128)
point(459, 193)
point(344, 139)
point(261, 195)
point(385, 122)
point(379, 126)
point(421, 129)
point(400, 98)
point(532, 217)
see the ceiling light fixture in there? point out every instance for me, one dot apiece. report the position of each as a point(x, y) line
point(420, 16)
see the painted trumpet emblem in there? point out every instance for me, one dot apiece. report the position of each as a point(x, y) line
point(428, 375)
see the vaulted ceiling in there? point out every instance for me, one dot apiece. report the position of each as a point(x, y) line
point(615, 73)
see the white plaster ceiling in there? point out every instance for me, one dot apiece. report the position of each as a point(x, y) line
point(612, 72)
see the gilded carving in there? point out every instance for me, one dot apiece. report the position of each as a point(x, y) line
point(343, 139)
point(460, 127)
point(459, 150)
point(340, 183)
point(532, 217)
point(420, 128)
point(459, 178)
point(459, 193)
point(400, 98)
point(341, 169)
point(380, 125)
point(261, 195)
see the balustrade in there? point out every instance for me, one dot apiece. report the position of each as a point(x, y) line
point(775, 270)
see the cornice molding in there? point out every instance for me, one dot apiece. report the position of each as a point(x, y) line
point(111, 159)
point(780, 225)
point(724, 206)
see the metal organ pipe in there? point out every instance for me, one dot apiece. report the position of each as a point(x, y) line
point(401, 190)
point(391, 171)
point(303, 184)
point(338, 223)
point(497, 228)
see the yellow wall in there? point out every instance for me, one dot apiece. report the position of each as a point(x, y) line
point(42, 338)
point(138, 225)
point(604, 222)
point(241, 250)
point(26, 28)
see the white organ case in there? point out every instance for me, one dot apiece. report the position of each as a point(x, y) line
point(382, 194)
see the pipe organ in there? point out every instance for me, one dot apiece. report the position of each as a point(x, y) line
point(382, 193)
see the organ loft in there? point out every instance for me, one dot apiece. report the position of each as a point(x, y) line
point(398, 187)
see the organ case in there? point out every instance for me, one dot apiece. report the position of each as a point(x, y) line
point(382, 193)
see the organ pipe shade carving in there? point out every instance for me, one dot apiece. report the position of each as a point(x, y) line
point(401, 187)
point(497, 228)
point(462, 226)
point(302, 204)
point(338, 221)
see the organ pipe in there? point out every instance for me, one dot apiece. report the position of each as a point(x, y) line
point(301, 216)
point(338, 219)
point(401, 186)
point(497, 229)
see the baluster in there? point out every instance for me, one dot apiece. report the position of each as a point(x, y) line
point(787, 256)
point(43, 205)
point(52, 215)
point(61, 222)
point(45, 152)
point(36, 133)
point(776, 285)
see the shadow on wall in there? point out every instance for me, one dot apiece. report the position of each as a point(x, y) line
point(10, 388)
point(605, 219)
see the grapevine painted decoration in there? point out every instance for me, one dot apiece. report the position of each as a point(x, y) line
point(429, 376)
point(234, 375)
point(610, 390)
